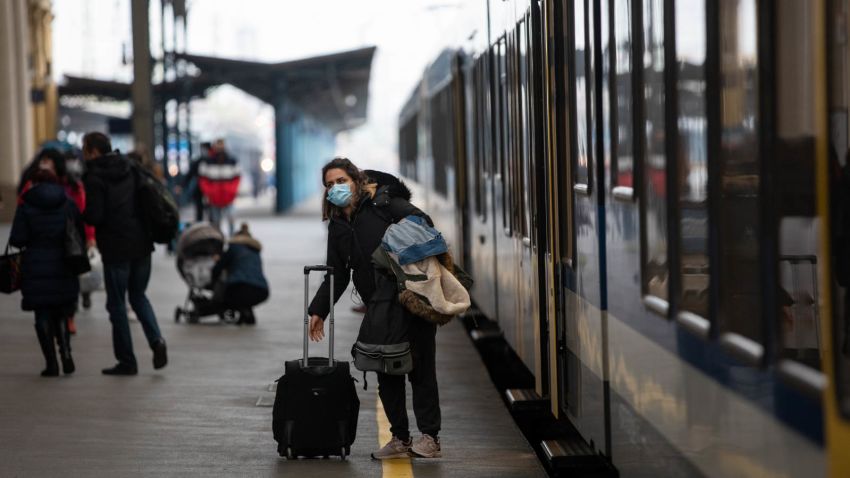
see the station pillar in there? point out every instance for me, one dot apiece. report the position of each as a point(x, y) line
point(16, 123)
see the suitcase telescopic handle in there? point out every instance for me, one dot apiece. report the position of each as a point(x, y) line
point(330, 271)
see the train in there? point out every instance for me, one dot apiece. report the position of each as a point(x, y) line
point(652, 198)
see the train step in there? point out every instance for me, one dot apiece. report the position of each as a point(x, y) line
point(572, 455)
point(525, 400)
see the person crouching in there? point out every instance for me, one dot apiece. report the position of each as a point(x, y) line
point(49, 287)
point(238, 276)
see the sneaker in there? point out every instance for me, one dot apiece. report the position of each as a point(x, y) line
point(160, 356)
point(120, 369)
point(426, 446)
point(394, 449)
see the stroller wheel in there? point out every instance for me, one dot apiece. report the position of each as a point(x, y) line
point(177, 313)
point(228, 316)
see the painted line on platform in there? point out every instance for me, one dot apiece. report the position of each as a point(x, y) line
point(398, 467)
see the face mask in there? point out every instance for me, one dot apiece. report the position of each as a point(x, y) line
point(340, 195)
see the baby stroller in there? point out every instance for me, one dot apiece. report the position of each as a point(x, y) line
point(198, 248)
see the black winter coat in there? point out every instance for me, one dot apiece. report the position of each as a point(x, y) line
point(242, 263)
point(352, 242)
point(39, 228)
point(111, 209)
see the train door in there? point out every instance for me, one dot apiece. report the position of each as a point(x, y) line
point(576, 158)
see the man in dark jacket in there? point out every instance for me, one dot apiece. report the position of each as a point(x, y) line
point(125, 247)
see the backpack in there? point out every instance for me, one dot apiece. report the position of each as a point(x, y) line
point(159, 211)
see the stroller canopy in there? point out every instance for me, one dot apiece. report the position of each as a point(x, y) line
point(201, 239)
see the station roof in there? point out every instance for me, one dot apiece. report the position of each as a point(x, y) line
point(333, 89)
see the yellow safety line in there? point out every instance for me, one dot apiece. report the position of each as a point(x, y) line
point(398, 467)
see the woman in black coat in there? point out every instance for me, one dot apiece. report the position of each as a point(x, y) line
point(49, 287)
point(359, 209)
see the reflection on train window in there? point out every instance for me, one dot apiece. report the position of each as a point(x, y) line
point(623, 175)
point(478, 128)
point(582, 93)
point(739, 308)
point(655, 274)
point(692, 155)
point(799, 317)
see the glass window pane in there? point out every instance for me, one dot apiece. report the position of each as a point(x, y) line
point(624, 175)
point(740, 297)
point(693, 154)
point(655, 163)
point(583, 93)
point(524, 98)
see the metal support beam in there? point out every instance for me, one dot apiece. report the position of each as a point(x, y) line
point(142, 91)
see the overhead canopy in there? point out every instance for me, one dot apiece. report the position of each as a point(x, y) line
point(333, 89)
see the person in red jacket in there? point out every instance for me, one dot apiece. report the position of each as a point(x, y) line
point(218, 178)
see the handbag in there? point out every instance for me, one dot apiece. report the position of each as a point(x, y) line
point(10, 271)
point(76, 256)
point(93, 279)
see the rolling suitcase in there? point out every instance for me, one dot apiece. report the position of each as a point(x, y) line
point(316, 405)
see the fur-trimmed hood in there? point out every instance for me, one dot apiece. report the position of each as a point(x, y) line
point(395, 187)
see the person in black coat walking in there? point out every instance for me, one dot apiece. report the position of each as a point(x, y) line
point(125, 247)
point(49, 287)
point(359, 209)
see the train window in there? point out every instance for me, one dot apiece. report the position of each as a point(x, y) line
point(692, 156)
point(478, 130)
point(408, 147)
point(798, 314)
point(504, 131)
point(622, 175)
point(582, 94)
point(441, 144)
point(654, 206)
point(739, 308)
point(524, 159)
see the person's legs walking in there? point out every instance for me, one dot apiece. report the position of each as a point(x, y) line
point(215, 216)
point(44, 332)
point(391, 392)
point(140, 273)
point(423, 381)
point(115, 278)
point(63, 340)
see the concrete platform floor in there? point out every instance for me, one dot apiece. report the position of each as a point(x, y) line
point(200, 416)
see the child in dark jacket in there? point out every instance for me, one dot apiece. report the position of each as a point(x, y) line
point(238, 275)
point(49, 287)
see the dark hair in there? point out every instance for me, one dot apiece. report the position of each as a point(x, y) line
point(356, 175)
point(33, 168)
point(98, 142)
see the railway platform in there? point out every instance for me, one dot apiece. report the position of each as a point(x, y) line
point(208, 413)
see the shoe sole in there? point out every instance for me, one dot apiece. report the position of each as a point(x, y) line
point(422, 455)
point(392, 457)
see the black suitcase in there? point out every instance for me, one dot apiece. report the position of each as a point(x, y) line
point(316, 406)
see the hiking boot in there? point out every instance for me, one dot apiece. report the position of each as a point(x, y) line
point(160, 356)
point(120, 369)
point(426, 446)
point(394, 449)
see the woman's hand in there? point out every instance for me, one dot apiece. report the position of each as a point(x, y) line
point(317, 328)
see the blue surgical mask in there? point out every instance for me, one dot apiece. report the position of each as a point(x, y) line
point(340, 195)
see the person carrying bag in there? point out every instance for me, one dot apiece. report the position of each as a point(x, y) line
point(47, 226)
point(359, 207)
